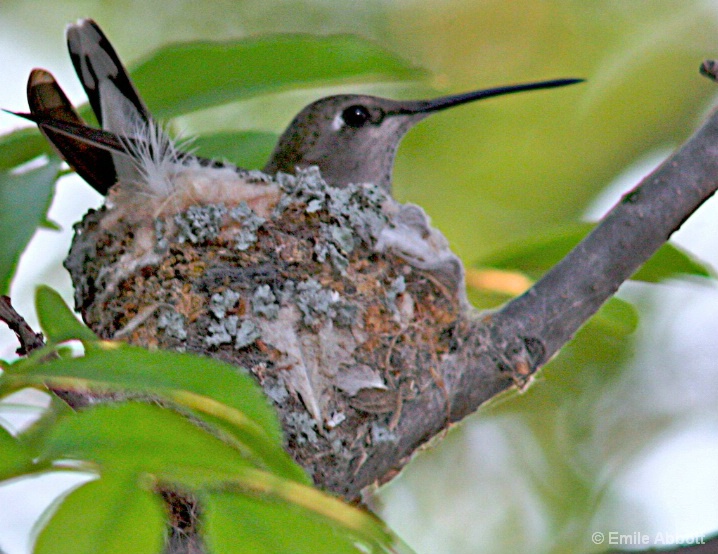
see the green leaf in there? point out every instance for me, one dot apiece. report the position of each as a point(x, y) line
point(279, 504)
point(111, 515)
point(34, 435)
point(277, 517)
point(116, 365)
point(215, 392)
point(537, 254)
point(671, 262)
point(249, 150)
point(182, 78)
point(616, 318)
point(21, 146)
point(14, 458)
point(57, 320)
point(24, 200)
point(135, 437)
point(236, 524)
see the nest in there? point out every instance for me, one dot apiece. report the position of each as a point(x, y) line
point(340, 301)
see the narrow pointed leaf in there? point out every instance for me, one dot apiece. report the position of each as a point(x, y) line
point(218, 393)
point(240, 525)
point(536, 255)
point(246, 524)
point(280, 504)
point(135, 437)
point(616, 318)
point(121, 366)
point(24, 200)
point(672, 262)
point(14, 458)
point(57, 320)
point(21, 146)
point(182, 78)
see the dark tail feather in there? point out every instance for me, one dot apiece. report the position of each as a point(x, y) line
point(79, 137)
point(57, 120)
point(101, 157)
point(112, 95)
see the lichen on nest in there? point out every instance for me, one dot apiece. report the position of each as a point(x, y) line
point(339, 300)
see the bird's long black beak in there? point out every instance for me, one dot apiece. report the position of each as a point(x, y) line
point(427, 106)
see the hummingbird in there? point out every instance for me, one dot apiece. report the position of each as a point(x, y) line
point(351, 138)
point(354, 138)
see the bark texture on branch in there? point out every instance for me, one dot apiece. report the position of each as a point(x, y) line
point(29, 340)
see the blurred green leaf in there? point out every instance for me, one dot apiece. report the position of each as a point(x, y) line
point(186, 77)
point(239, 523)
point(21, 146)
point(132, 439)
point(135, 437)
point(216, 392)
point(111, 515)
point(24, 200)
point(129, 442)
point(34, 435)
point(56, 319)
point(236, 524)
point(14, 458)
point(672, 262)
point(537, 254)
point(249, 150)
point(616, 318)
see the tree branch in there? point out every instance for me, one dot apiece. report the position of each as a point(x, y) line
point(555, 307)
point(29, 339)
point(505, 348)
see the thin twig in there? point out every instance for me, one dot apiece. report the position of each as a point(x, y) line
point(29, 340)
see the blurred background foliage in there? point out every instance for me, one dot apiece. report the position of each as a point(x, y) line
point(618, 432)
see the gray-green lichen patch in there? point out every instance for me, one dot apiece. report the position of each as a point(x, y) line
point(276, 390)
point(306, 187)
point(173, 324)
point(247, 333)
point(223, 301)
point(229, 329)
point(199, 223)
point(356, 210)
point(232, 330)
point(396, 287)
point(222, 331)
point(303, 426)
point(249, 223)
point(362, 208)
point(380, 433)
point(264, 303)
point(162, 243)
point(337, 245)
point(317, 304)
point(334, 419)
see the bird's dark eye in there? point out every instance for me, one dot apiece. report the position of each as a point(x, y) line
point(356, 116)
